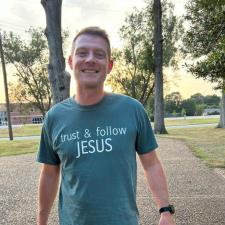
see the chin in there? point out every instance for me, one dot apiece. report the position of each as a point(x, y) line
point(91, 85)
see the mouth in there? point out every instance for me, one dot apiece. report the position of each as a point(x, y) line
point(89, 71)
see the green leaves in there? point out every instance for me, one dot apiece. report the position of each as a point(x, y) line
point(18, 50)
point(134, 65)
point(30, 59)
point(205, 39)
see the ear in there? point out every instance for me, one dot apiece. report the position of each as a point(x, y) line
point(70, 62)
point(110, 65)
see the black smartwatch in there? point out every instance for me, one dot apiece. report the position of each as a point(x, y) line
point(169, 208)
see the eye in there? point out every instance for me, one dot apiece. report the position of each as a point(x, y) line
point(100, 54)
point(81, 53)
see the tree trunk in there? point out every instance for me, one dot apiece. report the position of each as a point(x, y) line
point(58, 77)
point(222, 108)
point(159, 125)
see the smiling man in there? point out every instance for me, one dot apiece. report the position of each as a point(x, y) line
point(92, 139)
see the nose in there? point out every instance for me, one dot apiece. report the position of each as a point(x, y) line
point(90, 57)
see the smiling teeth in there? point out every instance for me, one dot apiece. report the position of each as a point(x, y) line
point(90, 71)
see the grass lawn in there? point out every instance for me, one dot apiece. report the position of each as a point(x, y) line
point(207, 143)
point(180, 122)
point(24, 130)
point(27, 130)
point(18, 147)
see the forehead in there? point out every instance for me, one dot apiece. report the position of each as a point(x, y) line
point(91, 41)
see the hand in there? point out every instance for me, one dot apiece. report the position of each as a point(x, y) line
point(166, 219)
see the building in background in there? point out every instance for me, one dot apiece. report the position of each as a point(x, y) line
point(24, 113)
point(212, 111)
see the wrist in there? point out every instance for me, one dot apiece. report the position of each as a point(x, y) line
point(166, 214)
point(167, 218)
point(42, 218)
point(167, 210)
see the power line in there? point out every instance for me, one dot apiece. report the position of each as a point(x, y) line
point(95, 9)
point(10, 24)
point(76, 5)
point(10, 28)
point(6, 26)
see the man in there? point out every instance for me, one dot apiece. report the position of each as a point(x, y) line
point(92, 139)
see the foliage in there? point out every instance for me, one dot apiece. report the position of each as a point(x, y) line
point(183, 112)
point(212, 100)
point(29, 59)
point(205, 42)
point(134, 65)
point(189, 106)
point(195, 105)
point(200, 109)
point(127, 78)
point(198, 98)
point(173, 102)
point(205, 39)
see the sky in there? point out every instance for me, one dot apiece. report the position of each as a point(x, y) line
point(19, 15)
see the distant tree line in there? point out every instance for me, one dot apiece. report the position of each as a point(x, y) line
point(193, 106)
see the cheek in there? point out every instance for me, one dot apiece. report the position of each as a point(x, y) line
point(77, 65)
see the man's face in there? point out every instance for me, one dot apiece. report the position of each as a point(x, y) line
point(90, 61)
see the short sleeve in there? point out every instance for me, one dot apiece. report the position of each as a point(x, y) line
point(145, 140)
point(46, 153)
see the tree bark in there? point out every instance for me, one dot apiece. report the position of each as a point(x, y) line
point(58, 77)
point(159, 125)
point(222, 108)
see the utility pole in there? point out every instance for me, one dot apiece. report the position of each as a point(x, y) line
point(6, 90)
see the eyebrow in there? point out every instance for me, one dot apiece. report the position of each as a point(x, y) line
point(81, 48)
point(95, 49)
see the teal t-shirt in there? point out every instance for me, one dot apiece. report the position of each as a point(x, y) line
point(96, 148)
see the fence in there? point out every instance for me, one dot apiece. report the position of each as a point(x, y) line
point(21, 119)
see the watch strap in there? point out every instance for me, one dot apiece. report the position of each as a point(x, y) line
point(169, 208)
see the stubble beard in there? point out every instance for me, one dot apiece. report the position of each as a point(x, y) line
point(90, 84)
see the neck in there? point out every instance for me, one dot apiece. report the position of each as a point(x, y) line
point(89, 97)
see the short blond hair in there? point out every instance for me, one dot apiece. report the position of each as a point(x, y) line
point(95, 31)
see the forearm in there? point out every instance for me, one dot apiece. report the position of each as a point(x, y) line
point(158, 184)
point(47, 190)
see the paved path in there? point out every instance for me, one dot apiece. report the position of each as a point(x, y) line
point(197, 191)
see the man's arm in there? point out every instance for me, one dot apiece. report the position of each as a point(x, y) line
point(47, 190)
point(158, 185)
